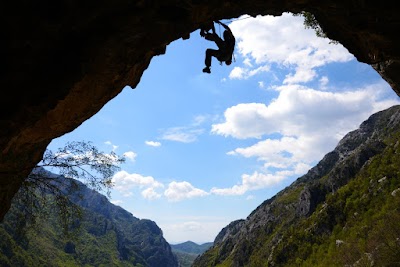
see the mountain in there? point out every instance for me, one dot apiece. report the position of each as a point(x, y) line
point(191, 247)
point(108, 236)
point(344, 212)
point(188, 251)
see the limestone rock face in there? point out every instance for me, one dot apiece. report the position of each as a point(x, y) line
point(243, 242)
point(62, 61)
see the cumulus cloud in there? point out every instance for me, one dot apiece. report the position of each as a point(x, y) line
point(150, 194)
point(295, 129)
point(323, 81)
point(250, 182)
point(153, 143)
point(244, 73)
point(178, 191)
point(130, 155)
point(263, 41)
point(125, 183)
point(299, 111)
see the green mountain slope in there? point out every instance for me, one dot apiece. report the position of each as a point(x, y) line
point(108, 236)
point(188, 251)
point(344, 212)
point(191, 247)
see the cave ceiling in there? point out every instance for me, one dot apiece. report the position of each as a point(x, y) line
point(62, 61)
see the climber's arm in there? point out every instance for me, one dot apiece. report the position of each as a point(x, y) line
point(223, 25)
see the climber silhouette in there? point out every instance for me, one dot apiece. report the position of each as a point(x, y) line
point(225, 46)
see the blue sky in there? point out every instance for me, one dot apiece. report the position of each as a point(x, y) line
point(206, 149)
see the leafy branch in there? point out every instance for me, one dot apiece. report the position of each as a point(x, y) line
point(43, 190)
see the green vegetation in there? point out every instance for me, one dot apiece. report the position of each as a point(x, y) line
point(291, 195)
point(81, 161)
point(191, 247)
point(344, 212)
point(310, 22)
point(185, 259)
point(358, 223)
point(188, 251)
point(104, 235)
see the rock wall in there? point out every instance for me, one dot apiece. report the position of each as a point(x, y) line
point(62, 61)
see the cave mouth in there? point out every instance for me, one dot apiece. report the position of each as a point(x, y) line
point(63, 61)
point(253, 126)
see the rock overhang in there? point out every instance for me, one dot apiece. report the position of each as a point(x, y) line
point(64, 60)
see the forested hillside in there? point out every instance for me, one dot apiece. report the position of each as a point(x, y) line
point(344, 212)
point(188, 251)
point(105, 235)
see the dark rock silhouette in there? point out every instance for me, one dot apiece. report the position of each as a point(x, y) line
point(62, 61)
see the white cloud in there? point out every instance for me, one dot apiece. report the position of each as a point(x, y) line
point(110, 144)
point(264, 41)
point(295, 130)
point(125, 182)
point(198, 120)
point(150, 194)
point(245, 73)
point(182, 134)
point(301, 75)
point(186, 134)
point(250, 182)
point(237, 73)
point(153, 143)
point(301, 111)
point(323, 81)
point(177, 191)
point(130, 155)
point(301, 168)
point(188, 226)
point(199, 230)
point(247, 62)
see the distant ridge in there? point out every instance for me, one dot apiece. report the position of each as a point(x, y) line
point(191, 247)
point(188, 251)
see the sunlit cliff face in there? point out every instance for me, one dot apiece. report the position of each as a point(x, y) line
point(62, 61)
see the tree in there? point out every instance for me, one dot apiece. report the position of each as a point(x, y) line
point(310, 22)
point(77, 161)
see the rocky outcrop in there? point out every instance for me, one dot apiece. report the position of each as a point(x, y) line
point(62, 61)
point(240, 240)
point(229, 231)
point(107, 235)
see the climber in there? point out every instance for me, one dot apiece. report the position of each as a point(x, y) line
point(225, 46)
point(205, 28)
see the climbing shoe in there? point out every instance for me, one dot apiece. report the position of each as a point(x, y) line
point(207, 70)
